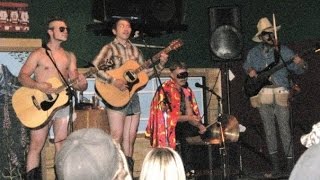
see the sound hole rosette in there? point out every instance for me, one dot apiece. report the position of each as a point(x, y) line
point(226, 42)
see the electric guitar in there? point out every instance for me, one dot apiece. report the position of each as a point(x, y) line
point(33, 107)
point(253, 85)
point(132, 73)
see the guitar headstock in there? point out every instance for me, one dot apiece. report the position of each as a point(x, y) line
point(175, 44)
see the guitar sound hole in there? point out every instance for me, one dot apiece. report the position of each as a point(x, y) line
point(46, 105)
point(131, 77)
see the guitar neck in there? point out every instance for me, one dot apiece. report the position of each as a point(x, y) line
point(269, 71)
point(276, 68)
point(157, 56)
point(71, 82)
point(153, 60)
point(173, 45)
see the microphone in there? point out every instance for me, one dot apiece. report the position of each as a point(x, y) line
point(202, 86)
point(207, 88)
point(136, 34)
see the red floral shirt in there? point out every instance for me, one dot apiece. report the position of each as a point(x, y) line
point(156, 130)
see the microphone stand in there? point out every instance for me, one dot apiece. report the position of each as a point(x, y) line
point(219, 104)
point(222, 149)
point(70, 92)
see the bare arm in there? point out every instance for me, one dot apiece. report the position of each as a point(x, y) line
point(81, 83)
point(191, 118)
point(28, 69)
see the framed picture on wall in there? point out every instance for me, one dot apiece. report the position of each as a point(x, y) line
point(14, 17)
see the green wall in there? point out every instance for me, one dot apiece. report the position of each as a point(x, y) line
point(299, 21)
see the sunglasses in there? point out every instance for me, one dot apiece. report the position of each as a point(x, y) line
point(62, 29)
point(182, 75)
point(264, 33)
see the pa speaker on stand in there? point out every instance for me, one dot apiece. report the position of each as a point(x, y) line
point(226, 47)
point(225, 36)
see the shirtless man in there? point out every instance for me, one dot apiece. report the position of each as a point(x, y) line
point(40, 66)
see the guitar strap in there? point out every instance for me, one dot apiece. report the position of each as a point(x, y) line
point(55, 65)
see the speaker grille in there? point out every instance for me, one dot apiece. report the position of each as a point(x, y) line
point(226, 39)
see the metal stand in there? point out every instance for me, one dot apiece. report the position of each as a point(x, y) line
point(223, 153)
point(210, 162)
point(240, 160)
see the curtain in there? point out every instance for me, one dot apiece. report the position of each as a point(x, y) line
point(14, 136)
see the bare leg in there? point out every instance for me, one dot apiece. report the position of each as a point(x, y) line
point(116, 122)
point(38, 138)
point(60, 129)
point(129, 134)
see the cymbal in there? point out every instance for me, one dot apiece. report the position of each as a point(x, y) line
point(226, 129)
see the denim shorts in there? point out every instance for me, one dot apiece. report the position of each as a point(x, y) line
point(133, 107)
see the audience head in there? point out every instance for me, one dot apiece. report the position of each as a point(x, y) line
point(307, 167)
point(162, 164)
point(91, 154)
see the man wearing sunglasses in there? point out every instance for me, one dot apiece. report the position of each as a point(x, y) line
point(51, 61)
point(174, 113)
point(272, 100)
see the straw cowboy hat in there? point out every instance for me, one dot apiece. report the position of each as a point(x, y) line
point(263, 25)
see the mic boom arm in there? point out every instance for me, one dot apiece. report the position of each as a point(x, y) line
point(208, 89)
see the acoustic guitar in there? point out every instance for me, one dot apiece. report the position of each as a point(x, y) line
point(132, 73)
point(33, 107)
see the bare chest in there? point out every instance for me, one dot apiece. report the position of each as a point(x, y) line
point(49, 67)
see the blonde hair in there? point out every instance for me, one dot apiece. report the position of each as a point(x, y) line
point(164, 164)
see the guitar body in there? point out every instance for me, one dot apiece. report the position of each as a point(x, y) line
point(34, 108)
point(254, 84)
point(115, 96)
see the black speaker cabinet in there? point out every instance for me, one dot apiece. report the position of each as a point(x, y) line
point(225, 33)
point(148, 16)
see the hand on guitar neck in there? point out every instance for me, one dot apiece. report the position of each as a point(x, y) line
point(252, 73)
point(298, 60)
